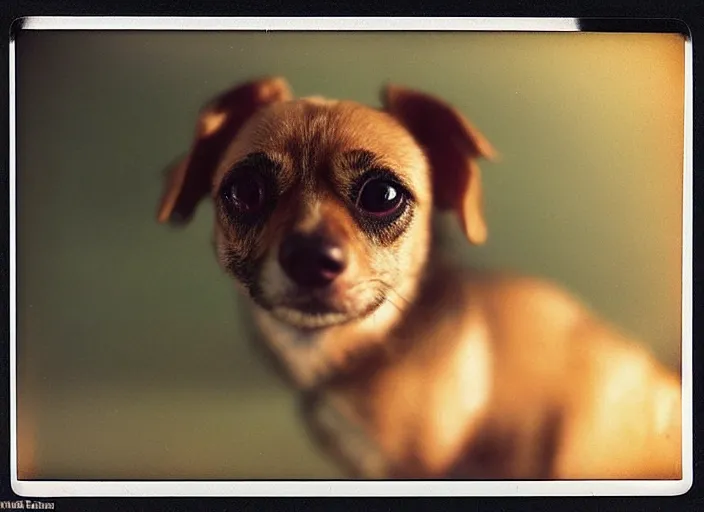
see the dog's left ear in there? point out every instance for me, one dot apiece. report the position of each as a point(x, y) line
point(452, 146)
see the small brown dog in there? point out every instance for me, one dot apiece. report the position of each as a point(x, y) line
point(410, 365)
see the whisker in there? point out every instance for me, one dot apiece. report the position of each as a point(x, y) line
point(388, 299)
point(383, 286)
point(404, 299)
point(390, 288)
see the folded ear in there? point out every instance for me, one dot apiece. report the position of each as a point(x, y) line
point(190, 179)
point(453, 147)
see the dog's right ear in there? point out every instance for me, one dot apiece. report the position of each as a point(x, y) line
point(190, 180)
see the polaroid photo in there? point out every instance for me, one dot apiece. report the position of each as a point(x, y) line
point(350, 257)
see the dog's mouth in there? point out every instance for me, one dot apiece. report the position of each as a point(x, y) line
point(307, 320)
point(317, 310)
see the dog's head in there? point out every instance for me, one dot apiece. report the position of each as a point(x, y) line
point(323, 207)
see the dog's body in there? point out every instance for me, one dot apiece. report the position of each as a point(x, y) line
point(505, 378)
point(411, 365)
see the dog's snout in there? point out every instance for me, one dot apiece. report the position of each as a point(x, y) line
point(311, 261)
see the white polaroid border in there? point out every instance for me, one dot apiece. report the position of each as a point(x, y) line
point(56, 489)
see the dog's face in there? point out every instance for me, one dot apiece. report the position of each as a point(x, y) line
point(323, 207)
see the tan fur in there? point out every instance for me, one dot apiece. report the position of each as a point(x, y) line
point(457, 373)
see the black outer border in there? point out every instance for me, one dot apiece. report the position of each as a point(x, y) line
point(642, 25)
point(684, 17)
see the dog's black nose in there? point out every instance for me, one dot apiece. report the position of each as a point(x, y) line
point(311, 261)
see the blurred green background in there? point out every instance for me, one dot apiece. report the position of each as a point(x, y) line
point(132, 357)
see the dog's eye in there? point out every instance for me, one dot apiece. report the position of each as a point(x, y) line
point(245, 193)
point(380, 197)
